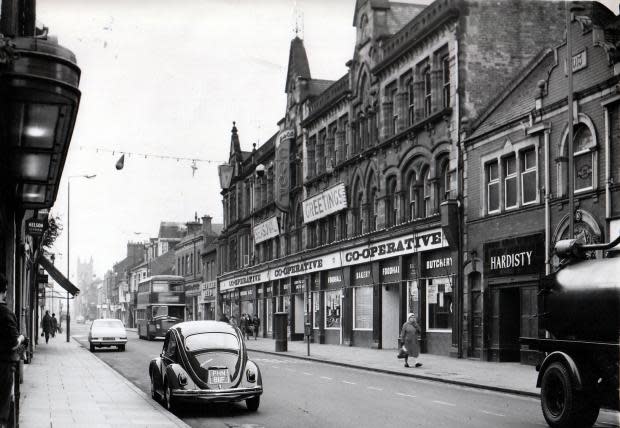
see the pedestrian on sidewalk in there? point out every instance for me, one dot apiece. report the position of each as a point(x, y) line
point(256, 325)
point(46, 326)
point(243, 324)
point(224, 318)
point(10, 341)
point(409, 338)
point(54, 325)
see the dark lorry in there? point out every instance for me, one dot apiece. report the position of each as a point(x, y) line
point(578, 307)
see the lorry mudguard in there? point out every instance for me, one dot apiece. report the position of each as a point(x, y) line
point(563, 357)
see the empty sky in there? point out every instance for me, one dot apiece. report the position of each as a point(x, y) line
point(168, 78)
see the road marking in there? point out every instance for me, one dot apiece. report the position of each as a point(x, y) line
point(275, 367)
point(326, 378)
point(492, 414)
point(374, 388)
point(405, 395)
point(347, 382)
point(290, 370)
point(307, 374)
point(444, 403)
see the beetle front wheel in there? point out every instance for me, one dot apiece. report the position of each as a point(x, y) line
point(168, 399)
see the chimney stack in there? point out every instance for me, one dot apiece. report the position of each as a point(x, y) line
point(206, 225)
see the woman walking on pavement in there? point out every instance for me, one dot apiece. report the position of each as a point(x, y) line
point(409, 339)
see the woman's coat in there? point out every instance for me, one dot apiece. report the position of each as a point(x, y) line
point(409, 338)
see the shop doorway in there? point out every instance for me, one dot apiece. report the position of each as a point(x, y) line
point(476, 324)
point(505, 320)
point(390, 330)
point(299, 314)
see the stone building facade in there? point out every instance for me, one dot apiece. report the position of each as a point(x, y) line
point(336, 218)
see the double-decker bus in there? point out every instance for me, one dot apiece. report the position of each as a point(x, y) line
point(161, 304)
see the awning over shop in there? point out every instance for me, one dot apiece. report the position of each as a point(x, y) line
point(59, 277)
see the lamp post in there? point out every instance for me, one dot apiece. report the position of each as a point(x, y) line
point(69, 241)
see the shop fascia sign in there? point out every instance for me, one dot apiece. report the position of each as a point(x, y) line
point(239, 281)
point(266, 230)
point(406, 244)
point(325, 203)
point(424, 241)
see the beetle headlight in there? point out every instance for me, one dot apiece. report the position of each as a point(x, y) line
point(182, 379)
point(250, 375)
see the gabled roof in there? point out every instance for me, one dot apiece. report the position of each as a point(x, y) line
point(171, 230)
point(374, 4)
point(511, 103)
point(298, 65)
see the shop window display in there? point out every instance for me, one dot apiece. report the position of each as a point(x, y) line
point(332, 309)
point(439, 304)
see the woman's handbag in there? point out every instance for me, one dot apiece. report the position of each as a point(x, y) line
point(402, 352)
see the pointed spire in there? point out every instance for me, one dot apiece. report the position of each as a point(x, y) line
point(298, 65)
point(235, 146)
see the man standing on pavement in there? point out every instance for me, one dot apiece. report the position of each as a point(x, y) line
point(46, 325)
point(54, 325)
point(10, 340)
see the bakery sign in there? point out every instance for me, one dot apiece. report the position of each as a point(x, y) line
point(325, 203)
point(523, 255)
point(266, 230)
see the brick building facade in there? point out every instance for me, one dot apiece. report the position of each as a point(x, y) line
point(516, 191)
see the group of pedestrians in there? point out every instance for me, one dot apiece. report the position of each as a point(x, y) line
point(247, 324)
point(49, 325)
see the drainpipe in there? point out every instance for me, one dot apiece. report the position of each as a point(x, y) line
point(607, 166)
point(547, 208)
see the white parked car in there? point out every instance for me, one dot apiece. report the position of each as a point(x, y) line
point(107, 332)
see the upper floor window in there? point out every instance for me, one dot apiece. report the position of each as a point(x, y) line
point(410, 102)
point(391, 202)
point(529, 176)
point(510, 181)
point(492, 179)
point(583, 157)
point(445, 74)
point(427, 186)
point(394, 101)
point(412, 195)
point(428, 90)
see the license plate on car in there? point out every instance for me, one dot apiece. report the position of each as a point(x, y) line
point(218, 376)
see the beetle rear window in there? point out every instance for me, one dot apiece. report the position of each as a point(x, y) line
point(205, 341)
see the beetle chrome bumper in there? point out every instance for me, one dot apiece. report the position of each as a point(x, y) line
point(217, 395)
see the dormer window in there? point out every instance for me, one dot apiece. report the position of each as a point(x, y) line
point(364, 31)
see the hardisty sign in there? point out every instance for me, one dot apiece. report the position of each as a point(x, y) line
point(325, 203)
point(282, 187)
point(266, 230)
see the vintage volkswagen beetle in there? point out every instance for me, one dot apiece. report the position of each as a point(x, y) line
point(205, 361)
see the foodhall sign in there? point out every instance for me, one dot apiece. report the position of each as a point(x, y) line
point(515, 256)
point(266, 230)
point(325, 203)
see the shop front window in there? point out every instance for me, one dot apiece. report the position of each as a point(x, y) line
point(362, 308)
point(412, 296)
point(439, 304)
point(316, 309)
point(332, 309)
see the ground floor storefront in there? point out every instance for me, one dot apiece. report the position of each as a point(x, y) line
point(357, 296)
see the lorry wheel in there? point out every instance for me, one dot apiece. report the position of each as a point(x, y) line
point(560, 402)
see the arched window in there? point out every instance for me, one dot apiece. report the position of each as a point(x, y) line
point(357, 198)
point(427, 188)
point(299, 224)
point(444, 180)
point(412, 196)
point(372, 203)
point(391, 202)
point(583, 157)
